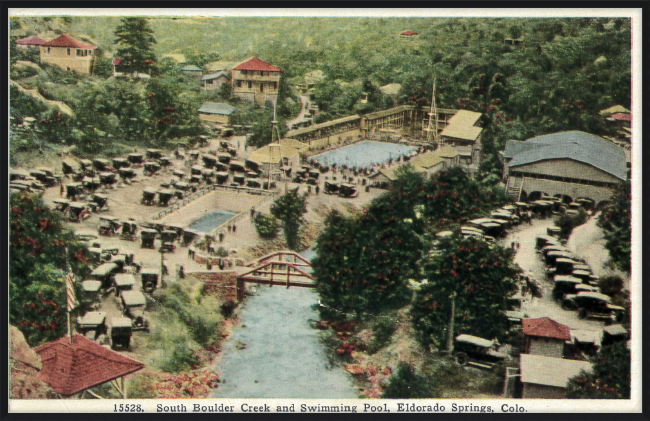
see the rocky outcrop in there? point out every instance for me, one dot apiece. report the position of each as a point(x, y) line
point(25, 365)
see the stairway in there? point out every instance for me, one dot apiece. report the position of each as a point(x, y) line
point(514, 188)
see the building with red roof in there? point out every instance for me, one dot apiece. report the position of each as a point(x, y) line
point(407, 34)
point(256, 81)
point(68, 53)
point(30, 42)
point(73, 368)
point(545, 337)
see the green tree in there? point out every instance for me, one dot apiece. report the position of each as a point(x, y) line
point(616, 223)
point(266, 225)
point(289, 209)
point(610, 378)
point(363, 264)
point(479, 276)
point(134, 40)
point(407, 384)
point(37, 267)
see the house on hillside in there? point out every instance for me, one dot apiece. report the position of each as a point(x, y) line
point(256, 81)
point(216, 114)
point(513, 41)
point(545, 336)
point(548, 377)
point(117, 62)
point(30, 42)
point(427, 164)
point(214, 81)
point(408, 35)
point(192, 70)
point(463, 132)
point(68, 54)
point(574, 164)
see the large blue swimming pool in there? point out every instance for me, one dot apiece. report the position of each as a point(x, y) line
point(363, 154)
point(211, 221)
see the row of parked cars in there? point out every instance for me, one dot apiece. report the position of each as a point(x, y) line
point(34, 181)
point(116, 273)
point(575, 286)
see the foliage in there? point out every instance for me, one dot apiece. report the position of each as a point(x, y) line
point(134, 39)
point(616, 223)
point(228, 308)
point(610, 285)
point(37, 267)
point(567, 223)
point(201, 59)
point(480, 278)
point(382, 332)
point(266, 225)
point(407, 384)
point(610, 378)
point(182, 358)
point(289, 209)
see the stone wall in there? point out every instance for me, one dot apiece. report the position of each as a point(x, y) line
point(222, 284)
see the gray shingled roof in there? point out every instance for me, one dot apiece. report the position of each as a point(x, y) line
point(514, 147)
point(578, 146)
point(215, 76)
point(191, 68)
point(217, 108)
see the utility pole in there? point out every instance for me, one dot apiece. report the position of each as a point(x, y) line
point(450, 327)
point(433, 99)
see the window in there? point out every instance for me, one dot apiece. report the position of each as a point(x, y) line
point(79, 53)
point(250, 85)
point(239, 83)
point(68, 51)
point(244, 72)
point(261, 87)
point(48, 50)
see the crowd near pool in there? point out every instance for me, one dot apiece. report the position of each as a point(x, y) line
point(363, 154)
point(211, 221)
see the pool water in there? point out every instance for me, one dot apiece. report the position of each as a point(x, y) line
point(211, 221)
point(364, 154)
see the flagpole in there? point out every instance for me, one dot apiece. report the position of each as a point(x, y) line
point(69, 292)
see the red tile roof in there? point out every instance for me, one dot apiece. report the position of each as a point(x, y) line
point(409, 33)
point(546, 327)
point(621, 116)
point(257, 64)
point(72, 368)
point(33, 40)
point(66, 40)
point(117, 61)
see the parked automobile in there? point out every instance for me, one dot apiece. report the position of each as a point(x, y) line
point(108, 225)
point(93, 323)
point(121, 331)
point(123, 282)
point(593, 305)
point(477, 352)
point(90, 294)
point(133, 305)
point(104, 273)
point(147, 237)
point(149, 278)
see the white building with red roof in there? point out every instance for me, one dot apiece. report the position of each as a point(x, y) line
point(68, 53)
point(30, 42)
point(545, 337)
point(256, 81)
point(71, 368)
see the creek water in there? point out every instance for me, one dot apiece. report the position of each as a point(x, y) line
point(275, 352)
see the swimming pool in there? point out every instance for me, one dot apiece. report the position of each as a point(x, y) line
point(211, 221)
point(363, 154)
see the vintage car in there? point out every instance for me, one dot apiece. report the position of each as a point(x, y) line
point(108, 225)
point(123, 282)
point(593, 305)
point(133, 305)
point(101, 164)
point(149, 196)
point(92, 324)
point(90, 294)
point(477, 352)
point(149, 279)
point(164, 196)
point(135, 158)
point(222, 177)
point(348, 190)
point(120, 163)
point(129, 230)
point(209, 161)
point(168, 238)
point(78, 211)
point(154, 153)
point(565, 285)
point(121, 331)
point(147, 237)
point(151, 168)
point(188, 236)
point(104, 273)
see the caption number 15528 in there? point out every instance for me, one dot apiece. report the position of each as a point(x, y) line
point(128, 407)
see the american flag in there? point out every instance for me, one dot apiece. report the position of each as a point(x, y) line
point(70, 283)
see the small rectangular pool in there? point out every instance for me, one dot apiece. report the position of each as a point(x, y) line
point(363, 154)
point(210, 221)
